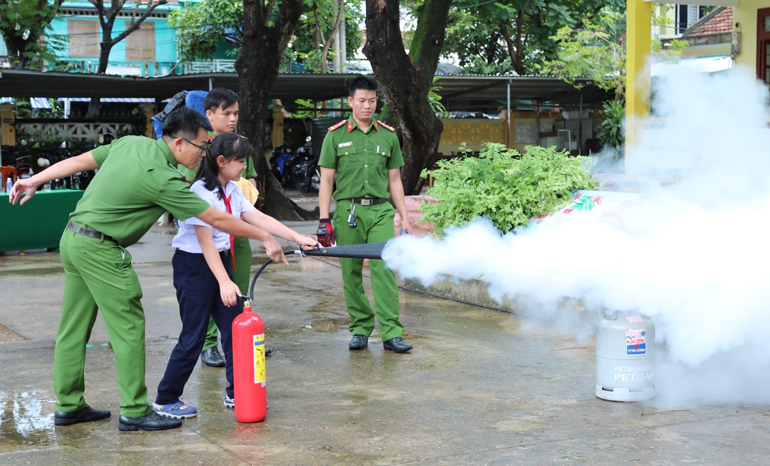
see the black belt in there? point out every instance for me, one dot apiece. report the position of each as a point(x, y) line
point(365, 201)
point(91, 233)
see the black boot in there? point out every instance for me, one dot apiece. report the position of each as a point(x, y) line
point(84, 414)
point(152, 421)
point(397, 344)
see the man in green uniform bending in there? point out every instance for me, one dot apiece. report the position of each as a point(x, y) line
point(365, 155)
point(222, 110)
point(137, 181)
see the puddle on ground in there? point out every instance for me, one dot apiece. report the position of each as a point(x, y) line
point(329, 325)
point(26, 418)
point(32, 271)
point(7, 335)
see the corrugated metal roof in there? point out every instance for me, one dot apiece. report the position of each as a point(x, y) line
point(35, 102)
point(140, 100)
point(289, 86)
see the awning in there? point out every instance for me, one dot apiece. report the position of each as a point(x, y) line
point(292, 86)
point(138, 100)
point(693, 65)
point(35, 102)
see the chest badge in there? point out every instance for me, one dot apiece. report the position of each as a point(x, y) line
point(345, 144)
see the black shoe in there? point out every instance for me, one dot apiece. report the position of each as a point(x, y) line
point(268, 352)
point(152, 421)
point(397, 344)
point(212, 357)
point(358, 342)
point(84, 414)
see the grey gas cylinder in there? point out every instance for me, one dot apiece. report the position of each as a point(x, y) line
point(625, 357)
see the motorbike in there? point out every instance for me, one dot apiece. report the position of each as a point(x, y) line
point(280, 163)
point(305, 173)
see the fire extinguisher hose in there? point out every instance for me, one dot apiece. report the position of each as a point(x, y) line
point(355, 251)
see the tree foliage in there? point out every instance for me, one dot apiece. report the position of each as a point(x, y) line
point(596, 51)
point(512, 35)
point(23, 23)
point(202, 28)
point(505, 186)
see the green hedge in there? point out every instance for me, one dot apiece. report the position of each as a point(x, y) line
point(504, 185)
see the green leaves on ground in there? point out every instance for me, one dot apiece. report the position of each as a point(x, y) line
point(504, 185)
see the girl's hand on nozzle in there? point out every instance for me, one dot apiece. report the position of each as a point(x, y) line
point(229, 292)
point(306, 242)
point(274, 250)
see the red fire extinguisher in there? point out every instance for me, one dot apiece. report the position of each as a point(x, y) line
point(249, 366)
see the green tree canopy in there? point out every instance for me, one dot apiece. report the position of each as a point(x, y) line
point(512, 35)
point(22, 25)
point(208, 24)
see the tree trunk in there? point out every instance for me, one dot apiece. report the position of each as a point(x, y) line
point(257, 66)
point(405, 81)
point(104, 59)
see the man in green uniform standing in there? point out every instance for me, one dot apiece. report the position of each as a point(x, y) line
point(137, 181)
point(366, 156)
point(222, 110)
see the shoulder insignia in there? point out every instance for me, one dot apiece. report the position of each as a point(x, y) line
point(387, 126)
point(332, 128)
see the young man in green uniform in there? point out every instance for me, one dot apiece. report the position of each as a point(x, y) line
point(137, 181)
point(222, 110)
point(366, 156)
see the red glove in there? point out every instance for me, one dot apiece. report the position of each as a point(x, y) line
point(325, 233)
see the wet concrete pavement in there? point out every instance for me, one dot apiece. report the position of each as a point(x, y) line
point(479, 388)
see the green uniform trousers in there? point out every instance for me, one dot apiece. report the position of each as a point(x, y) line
point(241, 275)
point(375, 224)
point(98, 275)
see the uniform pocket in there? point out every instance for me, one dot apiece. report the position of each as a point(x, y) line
point(124, 258)
point(343, 151)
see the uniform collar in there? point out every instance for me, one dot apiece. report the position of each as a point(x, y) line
point(353, 125)
point(167, 152)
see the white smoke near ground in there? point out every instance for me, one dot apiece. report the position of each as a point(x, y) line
point(692, 254)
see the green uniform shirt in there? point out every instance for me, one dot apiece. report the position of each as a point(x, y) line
point(248, 172)
point(136, 183)
point(362, 160)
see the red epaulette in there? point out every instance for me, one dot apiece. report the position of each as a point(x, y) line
point(332, 128)
point(387, 126)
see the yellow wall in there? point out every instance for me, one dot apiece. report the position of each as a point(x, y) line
point(746, 16)
point(474, 132)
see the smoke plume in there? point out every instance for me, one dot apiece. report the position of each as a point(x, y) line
point(691, 250)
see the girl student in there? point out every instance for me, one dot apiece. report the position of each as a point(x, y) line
point(203, 276)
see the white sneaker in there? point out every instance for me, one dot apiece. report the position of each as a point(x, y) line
point(229, 402)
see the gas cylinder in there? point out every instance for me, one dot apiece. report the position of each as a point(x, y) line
point(625, 357)
point(249, 366)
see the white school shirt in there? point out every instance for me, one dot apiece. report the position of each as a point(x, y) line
point(186, 239)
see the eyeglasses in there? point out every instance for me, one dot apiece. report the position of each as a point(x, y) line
point(203, 149)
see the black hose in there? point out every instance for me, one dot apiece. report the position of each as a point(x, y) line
point(254, 280)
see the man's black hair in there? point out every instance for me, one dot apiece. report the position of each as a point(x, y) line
point(185, 123)
point(219, 98)
point(364, 83)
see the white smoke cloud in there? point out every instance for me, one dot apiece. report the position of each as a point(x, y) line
point(692, 255)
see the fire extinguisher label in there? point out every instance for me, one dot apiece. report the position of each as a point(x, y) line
point(259, 358)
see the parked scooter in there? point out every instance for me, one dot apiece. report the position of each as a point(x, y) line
point(280, 163)
point(305, 173)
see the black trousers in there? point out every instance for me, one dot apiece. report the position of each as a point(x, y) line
point(198, 293)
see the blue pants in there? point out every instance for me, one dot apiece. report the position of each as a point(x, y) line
point(198, 293)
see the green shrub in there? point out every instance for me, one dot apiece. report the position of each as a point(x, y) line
point(504, 185)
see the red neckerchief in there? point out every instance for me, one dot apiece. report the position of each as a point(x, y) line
point(232, 238)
